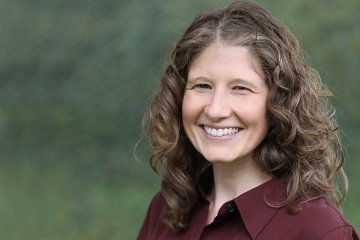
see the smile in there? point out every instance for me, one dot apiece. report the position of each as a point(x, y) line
point(220, 132)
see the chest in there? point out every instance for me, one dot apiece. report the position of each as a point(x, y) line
point(226, 224)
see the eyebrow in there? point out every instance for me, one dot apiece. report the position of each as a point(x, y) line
point(233, 81)
point(247, 82)
point(193, 80)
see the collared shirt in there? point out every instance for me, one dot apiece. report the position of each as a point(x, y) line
point(249, 216)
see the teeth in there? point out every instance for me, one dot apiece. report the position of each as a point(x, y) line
point(221, 131)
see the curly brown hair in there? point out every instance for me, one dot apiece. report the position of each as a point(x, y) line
point(302, 144)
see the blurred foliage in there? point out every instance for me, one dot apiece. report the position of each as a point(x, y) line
point(75, 79)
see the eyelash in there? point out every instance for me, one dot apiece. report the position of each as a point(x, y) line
point(240, 88)
point(207, 86)
point(203, 86)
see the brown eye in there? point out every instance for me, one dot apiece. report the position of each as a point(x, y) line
point(241, 88)
point(203, 86)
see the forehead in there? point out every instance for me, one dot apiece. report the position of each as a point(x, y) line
point(221, 60)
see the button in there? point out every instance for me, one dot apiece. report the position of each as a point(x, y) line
point(231, 207)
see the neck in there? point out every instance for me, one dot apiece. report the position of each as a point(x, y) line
point(234, 179)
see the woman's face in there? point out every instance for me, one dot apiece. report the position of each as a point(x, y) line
point(224, 105)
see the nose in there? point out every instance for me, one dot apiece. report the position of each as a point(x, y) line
point(218, 107)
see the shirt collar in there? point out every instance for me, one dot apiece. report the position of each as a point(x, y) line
point(254, 208)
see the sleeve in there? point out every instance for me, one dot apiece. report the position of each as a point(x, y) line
point(344, 233)
point(152, 220)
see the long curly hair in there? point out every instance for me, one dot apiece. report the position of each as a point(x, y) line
point(302, 144)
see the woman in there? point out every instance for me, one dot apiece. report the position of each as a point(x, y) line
point(242, 137)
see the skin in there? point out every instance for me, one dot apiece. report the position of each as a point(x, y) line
point(226, 90)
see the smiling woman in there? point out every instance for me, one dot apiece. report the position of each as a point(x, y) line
point(243, 135)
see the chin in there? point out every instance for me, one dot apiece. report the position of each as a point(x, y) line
point(220, 159)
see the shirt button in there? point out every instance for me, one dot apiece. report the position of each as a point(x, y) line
point(231, 207)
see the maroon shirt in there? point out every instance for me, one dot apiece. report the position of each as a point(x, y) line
point(249, 217)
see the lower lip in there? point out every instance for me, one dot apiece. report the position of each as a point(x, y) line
point(223, 138)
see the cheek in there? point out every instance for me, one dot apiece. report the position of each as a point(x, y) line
point(256, 113)
point(187, 109)
point(191, 109)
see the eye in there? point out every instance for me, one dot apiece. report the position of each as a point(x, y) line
point(240, 88)
point(202, 86)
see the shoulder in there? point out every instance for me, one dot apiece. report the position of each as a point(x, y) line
point(156, 207)
point(324, 220)
point(317, 219)
point(321, 209)
point(157, 201)
point(324, 214)
point(153, 220)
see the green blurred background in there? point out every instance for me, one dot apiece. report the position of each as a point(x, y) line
point(75, 79)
